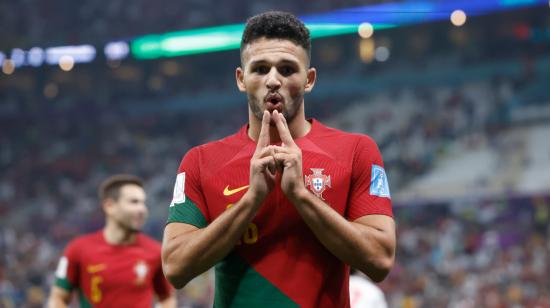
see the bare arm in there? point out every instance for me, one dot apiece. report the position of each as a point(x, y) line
point(367, 243)
point(188, 251)
point(59, 298)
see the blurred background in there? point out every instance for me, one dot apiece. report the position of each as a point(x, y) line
point(455, 93)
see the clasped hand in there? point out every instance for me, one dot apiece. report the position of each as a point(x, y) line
point(271, 163)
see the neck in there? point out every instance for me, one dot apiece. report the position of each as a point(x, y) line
point(116, 235)
point(298, 127)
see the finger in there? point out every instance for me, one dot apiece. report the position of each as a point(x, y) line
point(283, 159)
point(279, 159)
point(263, 139)
point(267, 151)
point(282, 128)
point(280, 149)
point(267, 164)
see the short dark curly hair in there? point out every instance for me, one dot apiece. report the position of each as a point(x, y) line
point(276, 25)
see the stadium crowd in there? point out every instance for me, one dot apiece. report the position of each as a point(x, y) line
point(473, 253)
point(51, 167)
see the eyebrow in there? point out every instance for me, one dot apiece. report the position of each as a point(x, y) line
point(284, 61)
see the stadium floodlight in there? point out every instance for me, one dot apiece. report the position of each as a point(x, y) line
point(366, 30)
point(116, 50)
point(66, 63)
point(80, 53)
point(8, 67)
point(187, 42)
point(217, 39)
point(18, 57)
point(35, 56)
point(458, 18)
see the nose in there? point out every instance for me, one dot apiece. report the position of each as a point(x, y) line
point(273, 82)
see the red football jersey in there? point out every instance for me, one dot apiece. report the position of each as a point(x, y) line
point(279, 262)
point(106, 275)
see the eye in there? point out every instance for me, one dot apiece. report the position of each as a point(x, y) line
point(260, 69)
point(286, 70)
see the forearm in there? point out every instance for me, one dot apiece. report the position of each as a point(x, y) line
point(187, 255)
point(364, 247)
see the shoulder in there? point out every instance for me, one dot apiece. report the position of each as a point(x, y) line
point(341, 139)
point(83, 243)
point(215, 154)
point(88, 238)
point(148, 242)
point(232, 141)
point(327, 131)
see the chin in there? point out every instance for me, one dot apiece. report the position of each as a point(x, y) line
point(135, 229)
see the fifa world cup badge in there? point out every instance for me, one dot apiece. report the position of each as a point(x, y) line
point(317, 182)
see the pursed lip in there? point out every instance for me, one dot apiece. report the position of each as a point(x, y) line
point(273, 98)
point(274, 101)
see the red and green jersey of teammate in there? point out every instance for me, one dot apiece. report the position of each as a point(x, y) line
point(106, 275)
point(278, 262)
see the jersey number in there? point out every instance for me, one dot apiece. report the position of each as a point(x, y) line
point(250, 236)
point(96, 291)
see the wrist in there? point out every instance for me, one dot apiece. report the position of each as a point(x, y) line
point(252, 198)
point(299, 196)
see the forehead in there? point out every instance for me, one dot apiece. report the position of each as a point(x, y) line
point(273, 50)
point(132, 191)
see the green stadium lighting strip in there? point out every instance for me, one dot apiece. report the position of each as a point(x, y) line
point(220, 38)
point(339, 22)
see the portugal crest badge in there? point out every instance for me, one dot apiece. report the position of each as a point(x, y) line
point(317, 182)
point(141, 269)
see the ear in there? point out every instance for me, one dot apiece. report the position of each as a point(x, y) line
point(311, 77)
point(239, 76)
point(108, 205)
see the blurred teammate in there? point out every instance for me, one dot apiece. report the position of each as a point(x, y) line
point(117, 266)
point(365, 294)
point(283, 206)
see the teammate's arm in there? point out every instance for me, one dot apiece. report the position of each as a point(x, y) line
point(59, 298)
point(188, 251)
point(367, 244)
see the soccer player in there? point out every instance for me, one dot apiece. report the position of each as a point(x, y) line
point(364, 293)
point(284, 206)
point(116, 266)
